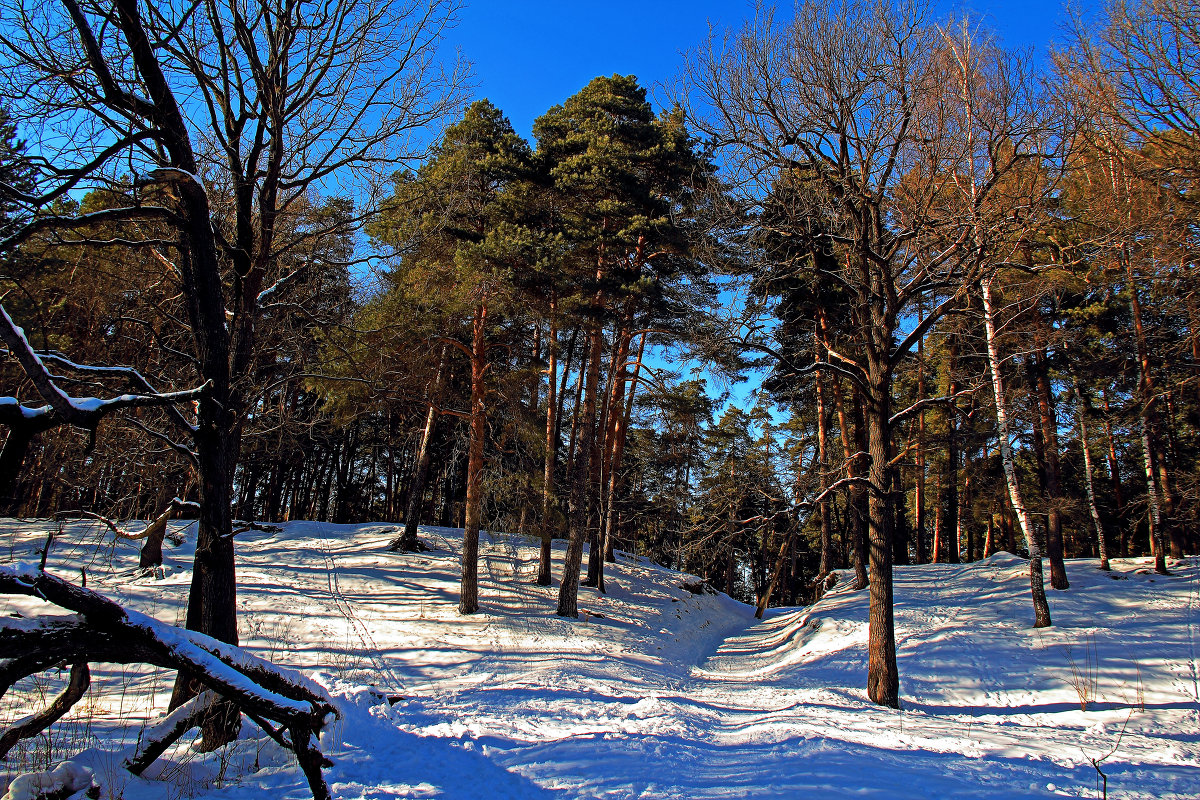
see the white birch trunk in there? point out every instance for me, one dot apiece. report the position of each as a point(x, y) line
point(1101, 542)
point(1037, 587)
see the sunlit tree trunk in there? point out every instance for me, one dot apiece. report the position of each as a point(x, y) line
point(1085, 446)
point(1041, 607)
point(468, 602)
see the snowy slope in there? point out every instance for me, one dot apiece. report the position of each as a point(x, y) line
point(658, 693)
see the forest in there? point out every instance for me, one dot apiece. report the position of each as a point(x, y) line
point(864, 289)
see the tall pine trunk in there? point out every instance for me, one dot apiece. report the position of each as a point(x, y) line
point(568, 591)
point(407, 541)
point(468, 602)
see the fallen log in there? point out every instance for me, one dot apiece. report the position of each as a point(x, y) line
point(103, 631)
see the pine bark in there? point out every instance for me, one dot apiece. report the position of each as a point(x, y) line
point(468, 602)
point(568, 591)
point(407, 541)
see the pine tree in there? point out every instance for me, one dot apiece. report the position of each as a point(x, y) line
point(456, 220)
point(626, 182)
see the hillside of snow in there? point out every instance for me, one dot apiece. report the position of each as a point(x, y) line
point(653, 692)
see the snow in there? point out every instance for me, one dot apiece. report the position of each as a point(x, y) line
point(25, 571)
point(66, 777)
point(25, 411)
point(658, 693)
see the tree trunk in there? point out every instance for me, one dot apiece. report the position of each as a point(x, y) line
point(598, 451)
point(939, 516)
point(950, 521)
point(1048, 461)
point(1150, 455)
point(407, 541)
point(919, 494)
point(212, 598)
point(883, 679)
point(468, 602)
point(546, 528)
point(827, 554)
point(855, 497)
point(614, 470)
point(568, 590)
point(1101, 542)
point(900, 525)
point(966, 516)
point(1041, 607)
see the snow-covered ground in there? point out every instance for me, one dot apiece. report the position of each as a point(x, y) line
point(655, 692)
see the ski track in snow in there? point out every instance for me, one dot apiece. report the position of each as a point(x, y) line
point(363, 633)
point(1193, 608)
point(657, 693)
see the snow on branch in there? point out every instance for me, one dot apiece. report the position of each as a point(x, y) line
point(83, 412)
point(266, 294)
point(102, 630)
point(947, 401)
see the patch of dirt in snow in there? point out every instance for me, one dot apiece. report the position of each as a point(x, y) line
point(655, 692)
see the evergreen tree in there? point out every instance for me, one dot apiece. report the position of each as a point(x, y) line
point(462, 243)
point(627, 184)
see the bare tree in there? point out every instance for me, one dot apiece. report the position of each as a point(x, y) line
point(228, 117)
point(868, 102)
point(1135, 66)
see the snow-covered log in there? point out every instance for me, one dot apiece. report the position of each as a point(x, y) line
point(156, 740)
point(102, 630)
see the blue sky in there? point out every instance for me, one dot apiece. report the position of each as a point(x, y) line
point(532, 54)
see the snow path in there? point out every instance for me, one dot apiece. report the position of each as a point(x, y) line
point(658, 693)
point(1192, 610)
